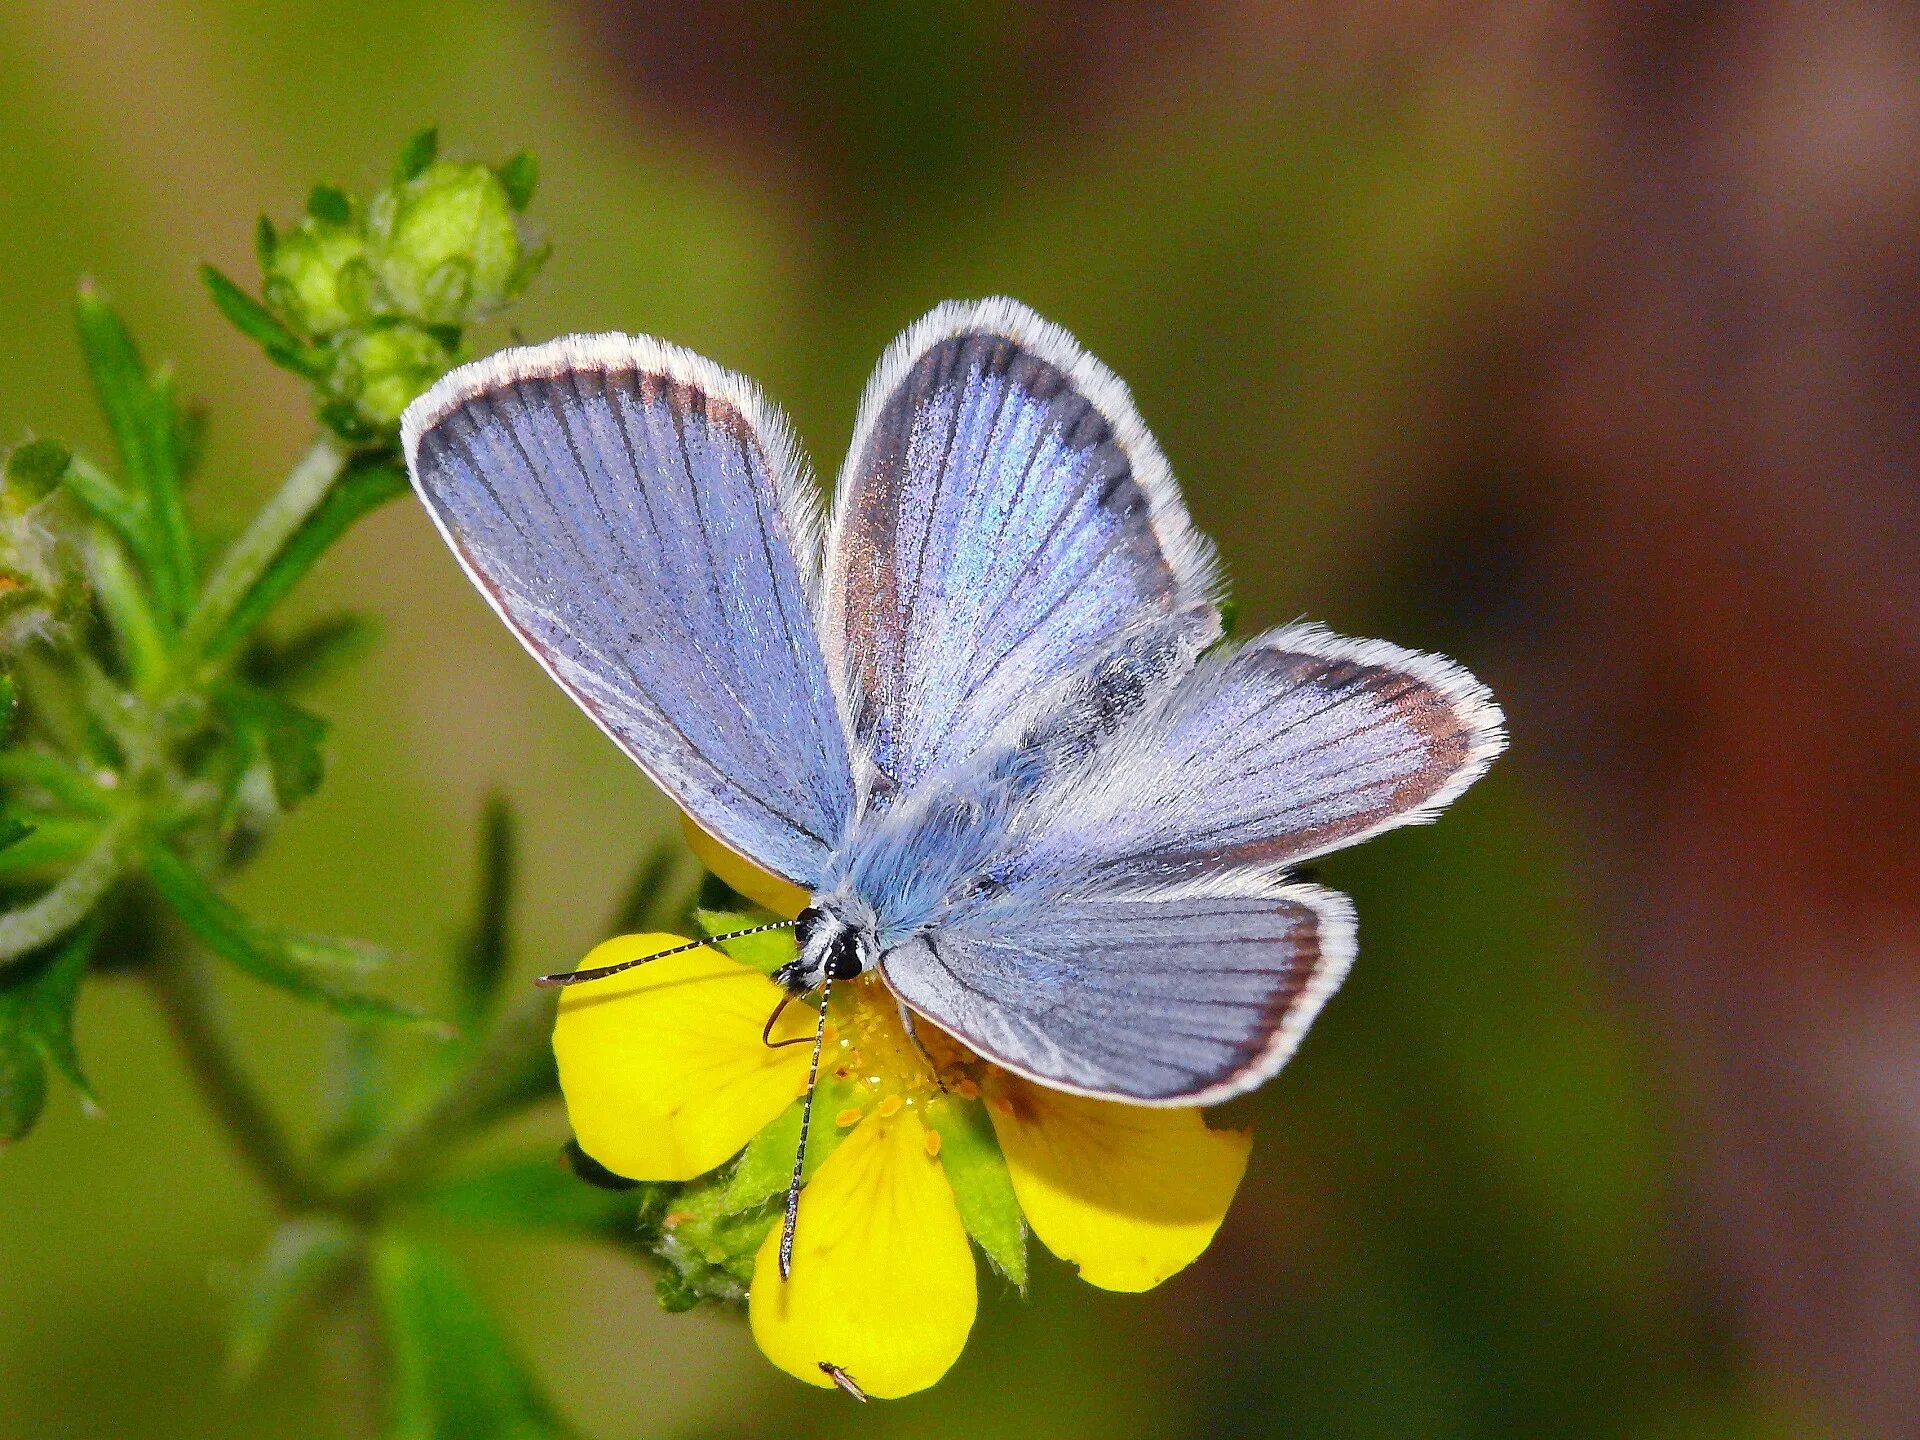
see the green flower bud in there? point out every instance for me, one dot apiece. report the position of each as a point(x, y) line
point(317, 277)
point(381, 371)
point(41, 588)
point(443, 245)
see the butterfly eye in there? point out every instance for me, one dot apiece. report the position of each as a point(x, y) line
point(804, 924)
point(843, 960)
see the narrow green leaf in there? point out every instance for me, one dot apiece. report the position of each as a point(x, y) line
point(34, 469)
point(363, 488)
point(518, 177)
point(140, 411)
point(417, 154)
point(982, 1188)
point(266, 240)
point(765, 952)
point(312, 654)
point(47, 918)
point(329, 204)
point(258, 324)
point(455, 1377)
point(481, 964)
point(48, 842)
point(653, 901)
point(539, 1192)
point(262, 953)
point(129, 611)
point(9, 699)
point(301, 1262)
point(12, 831)
point(47, 1005)
point(23, 1085)
point(285, 736)
point(109, 501)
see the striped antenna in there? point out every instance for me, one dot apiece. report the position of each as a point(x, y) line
point(601, 972)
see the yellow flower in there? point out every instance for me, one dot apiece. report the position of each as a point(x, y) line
point(666, 1078)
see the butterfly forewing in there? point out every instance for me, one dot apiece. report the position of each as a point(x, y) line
point(1003, 516)
point(636, 516)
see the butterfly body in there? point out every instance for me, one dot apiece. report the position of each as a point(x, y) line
point(982, 714)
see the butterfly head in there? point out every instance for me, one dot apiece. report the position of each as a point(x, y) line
point(831, 947)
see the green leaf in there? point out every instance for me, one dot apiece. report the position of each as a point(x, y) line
point(267, 955)
point(110, 502)
point(49, 841)
point(140, 411)
point(128, 608)
point(23, 1086)
point(299, 1265)
point(455, 1377)
point(266, 240)
point(364, 487)
point(539, 1192)
point(310, 655)
point(278, 732)
point(329, 204)
point(417, 154)
point(765, 952)
point(518, 177)
point(650, 901)
point(481, 964)
point(36, 468)
point(37, 998)
point(258, 324)
point(12, 830)
point(982, 1188)
point(9, 699)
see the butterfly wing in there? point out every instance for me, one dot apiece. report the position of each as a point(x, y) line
point(1299, 743)
point(1004, 515)
point(638, 517)
point(1169, 999)
point(1136, 939)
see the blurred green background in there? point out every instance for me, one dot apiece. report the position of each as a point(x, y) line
point(1567, 341)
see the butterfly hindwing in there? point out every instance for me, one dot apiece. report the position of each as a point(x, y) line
point(637, 517)
point(1176, 998)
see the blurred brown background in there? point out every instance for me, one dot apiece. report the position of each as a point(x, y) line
point(1578, 340)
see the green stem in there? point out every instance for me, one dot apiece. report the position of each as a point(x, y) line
point(508, 1070)
point(181, 986)
point(247, 559)
point(70, 901)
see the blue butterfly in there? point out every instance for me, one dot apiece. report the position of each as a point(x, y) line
point(981, 712)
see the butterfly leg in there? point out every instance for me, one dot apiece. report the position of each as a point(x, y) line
point(911, 1024)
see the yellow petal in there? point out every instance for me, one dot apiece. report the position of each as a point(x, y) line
point(742, 874)
point(882, 1283)
point(1128, 1193)
point(663, 1068)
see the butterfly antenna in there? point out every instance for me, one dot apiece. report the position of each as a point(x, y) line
point(806, 1123)
point(601, 972)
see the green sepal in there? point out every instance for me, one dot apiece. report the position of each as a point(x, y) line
point(365, 486)
point(260, 325)
point(765, 1167)
point(518, 177)
point(35, 470)
point(709, 1246)
point(454, 1376)
point(298, 965)
point(765, 952)
point(420, 151)
point(301, 1262)
point(982, 1186)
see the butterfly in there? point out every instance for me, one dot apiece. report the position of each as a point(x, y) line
point(982, 713)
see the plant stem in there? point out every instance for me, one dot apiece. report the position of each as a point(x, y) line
point(247, 558)
point(506, 1071)
point(180, 986)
